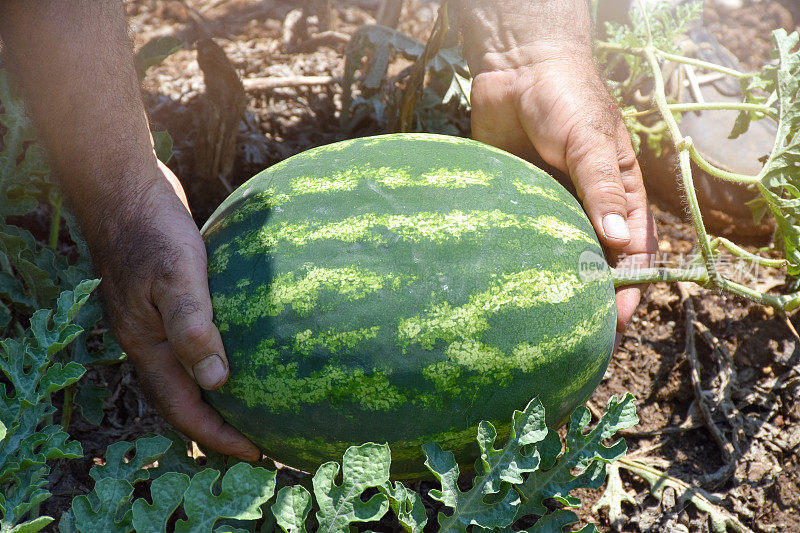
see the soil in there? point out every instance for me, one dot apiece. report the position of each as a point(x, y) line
point(763, 491)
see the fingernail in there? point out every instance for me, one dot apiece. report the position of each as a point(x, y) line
point(250, 456)
point(209, 372)
point(615, 227)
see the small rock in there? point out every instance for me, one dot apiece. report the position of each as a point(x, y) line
point(668, 498)
point(758, 471)
point(793, 439)
point(729, 4)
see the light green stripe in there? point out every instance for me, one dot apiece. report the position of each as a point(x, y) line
point(549, 194)
point(299, 293)
point(218, 261)
point(521, 290)
point(309, 185)
point(445, 177)
point(558, 229)
point(260, 202)
point(279, 389)
point(334, 341)
point(437, 228)
point(390, 177)
point(492, 365)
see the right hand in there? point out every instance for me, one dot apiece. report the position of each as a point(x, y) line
point(154, 280)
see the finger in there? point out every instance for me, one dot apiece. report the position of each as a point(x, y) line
point(182, 297)
point(644, 243)
point(592, 163)
point(178, 399)
point(576, 132)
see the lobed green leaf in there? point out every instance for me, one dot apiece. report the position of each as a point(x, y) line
point(363, 467)
point(147, 450)
point(407, 506)
point(291, 508)
point(243, 490)
point(583, 453)
point(166, 492)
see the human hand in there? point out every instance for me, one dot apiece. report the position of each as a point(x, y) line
point(557, 108)
point(152, 261)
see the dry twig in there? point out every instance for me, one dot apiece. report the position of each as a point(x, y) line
point(413, 90)
point(729, 450)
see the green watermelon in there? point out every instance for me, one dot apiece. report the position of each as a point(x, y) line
point(400, 289)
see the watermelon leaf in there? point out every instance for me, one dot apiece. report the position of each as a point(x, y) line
point(291, 508)
point(407, 506)
point(176, 458)
point(496, 470)
point(29, 379)
point(154, 52)
point(21, 495)
point(510, 463)
point(244, 489)
point(780, 181)
point(363, 467)
point(469, 508)
point(583, 452)
point(148, 450)
point(167, 494)
point(90, 402)
point(614, 495)
point(556, 521)
point(106, 508)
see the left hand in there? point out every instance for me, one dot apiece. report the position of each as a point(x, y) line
point(558, 107)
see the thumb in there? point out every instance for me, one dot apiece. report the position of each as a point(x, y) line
point(185, 307)
point(592, 162)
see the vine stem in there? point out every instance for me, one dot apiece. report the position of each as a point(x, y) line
point(659, 95)
point(688, 144)
point(699, 63)
point(744, 254)
point(55, 223)
point(675, 58)
point(66, 409)
point(622, 277)
point(706, 106)
point(686, 154)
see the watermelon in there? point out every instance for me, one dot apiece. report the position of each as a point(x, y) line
point(400, 289)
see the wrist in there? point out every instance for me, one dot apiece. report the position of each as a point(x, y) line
point(510, 34)
point(107, 207)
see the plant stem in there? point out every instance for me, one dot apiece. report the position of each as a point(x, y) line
point(613, 47)
point(66, 409)
point(744, 254)
point(706, 106)
point(655, 130)
point(659, 95)
point(688, 144)
point(699, 63)
point(783, 302)
point(623, 278)
point(55, 222)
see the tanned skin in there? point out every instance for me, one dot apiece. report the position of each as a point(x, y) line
point(74, 63)
point(535, 90)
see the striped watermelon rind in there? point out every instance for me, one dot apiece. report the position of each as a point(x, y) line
point(400, 289)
